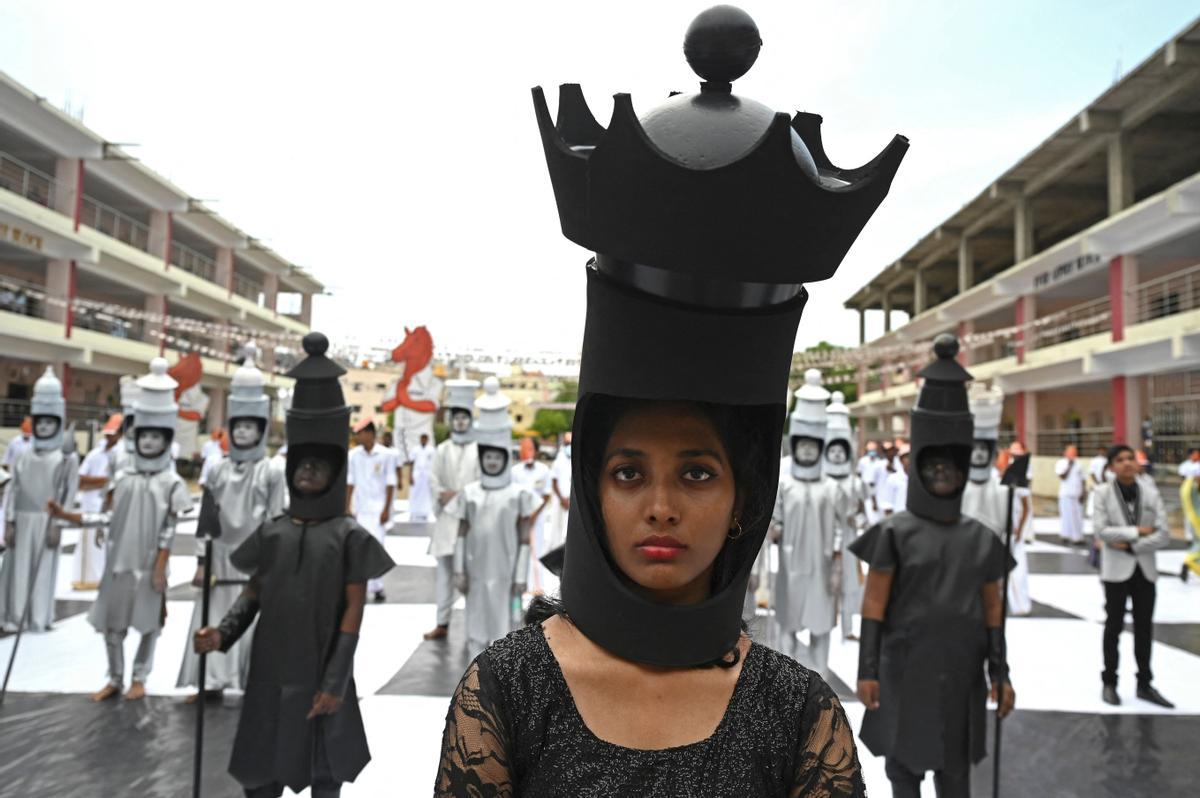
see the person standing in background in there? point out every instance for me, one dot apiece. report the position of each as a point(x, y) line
point(420, 496)
point(1097, 474)
point(1190, 468)
point(95, 479)
point(371, 483)
point(1070, 495)
point(560, 486)
point(534, 476)
point(893, 497)
point(15, 447)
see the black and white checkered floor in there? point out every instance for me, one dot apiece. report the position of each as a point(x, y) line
point(1062, 741)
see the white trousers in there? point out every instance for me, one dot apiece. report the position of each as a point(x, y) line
point(1019, 601)
point(443, 588)
point(1070, 514)
point(143, 660)
point(368, 519)
point(814, 656)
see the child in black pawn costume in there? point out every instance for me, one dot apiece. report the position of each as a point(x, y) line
point(706, 216)
point(300, 723)
point(932, 609)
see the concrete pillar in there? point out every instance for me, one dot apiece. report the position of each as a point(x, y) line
point(1127, 409)
point(1026, 419)
point(966, 264)
point(1122, 294)
point(224, 269)
point(1022, 228)
point(862, 326)
point(1026, 313)
point(965, 356)
point(306, 308)
point(161, 234)
point(887, 312)
point(155, 303)
point(68, 187)
point(270, 291)
point(217, 401)
point(919, 297)
point(1120, 172)
point(58, 289)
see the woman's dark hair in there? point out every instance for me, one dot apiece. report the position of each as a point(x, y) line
point(1115, 451)
point(745, 432)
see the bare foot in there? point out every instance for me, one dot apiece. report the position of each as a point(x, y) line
point(193, 698)
point(136, 692)
point(105, 693)
point(209, 695)
point(437, 633)
point(853, 637)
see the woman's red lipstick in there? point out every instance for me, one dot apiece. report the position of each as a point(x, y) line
point(661, 547)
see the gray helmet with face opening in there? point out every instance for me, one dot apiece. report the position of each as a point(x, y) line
point(806, 431)
point(493, 436)
point(249, 411)
point(154, 411)
point(987, 406)
point(49, 411)
point(836, 460)
point(460, 399)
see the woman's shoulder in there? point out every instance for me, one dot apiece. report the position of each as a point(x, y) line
point(780, 681)
point(521, 654)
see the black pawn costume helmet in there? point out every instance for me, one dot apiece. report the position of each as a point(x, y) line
point(941, 418)
point(317, 424)
point(706, 217)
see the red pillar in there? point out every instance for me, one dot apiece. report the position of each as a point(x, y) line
point(1020, 425)
point(1120, 406)
point(71, 291)
point(1116, 297)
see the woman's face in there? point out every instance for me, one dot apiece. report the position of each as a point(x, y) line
point(492, 461)
point(460, 421)
point(245, 433)
point(668, 497)
point(151, 442)
point(45, 426)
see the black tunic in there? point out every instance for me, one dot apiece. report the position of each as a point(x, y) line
point(932, 695)
point(514, 730)
point(302, 570)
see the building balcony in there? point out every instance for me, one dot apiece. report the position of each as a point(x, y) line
point(21, 178)
point(1178, 292)
point(114, 223)
point(193, 262)
point(248, 289)
point(1052, 442)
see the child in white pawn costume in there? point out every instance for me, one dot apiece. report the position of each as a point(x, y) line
point(491, 555)
point(806, 524)
point(41, 473)
point(247, 491)
point(852, 497)
point(147, 501)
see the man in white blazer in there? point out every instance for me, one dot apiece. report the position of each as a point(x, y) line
point(1130, 519)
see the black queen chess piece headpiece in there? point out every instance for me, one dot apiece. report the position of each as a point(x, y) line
point(706, 218)
point(318, 423)
point(941, 419)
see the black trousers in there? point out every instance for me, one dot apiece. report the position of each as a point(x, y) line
point(323, 785)
point(949, 783)
point(1116, 595)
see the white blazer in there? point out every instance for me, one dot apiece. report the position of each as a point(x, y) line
point(1116, 565)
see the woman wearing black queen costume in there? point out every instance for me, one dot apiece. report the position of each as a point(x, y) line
point(706, 217)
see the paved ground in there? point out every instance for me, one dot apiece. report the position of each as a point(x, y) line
point(1063, 741)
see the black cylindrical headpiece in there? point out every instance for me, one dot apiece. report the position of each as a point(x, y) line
point(707, 216)
point(941, 418)
point(317, 424)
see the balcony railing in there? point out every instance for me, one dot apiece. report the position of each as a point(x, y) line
point(12, 411)
point(21, 178)
point(1077, 321)
point(245, 287)
point(192, 261)
point(112, 222)
point(992, 350)
point(1052, 442)
point(1165, 296)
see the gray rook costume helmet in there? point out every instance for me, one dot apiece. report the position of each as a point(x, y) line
point(493, 436)
point(49, 411)
point(837, 460)
point(806, 427)
point(987, 406)
point(155, 410)
point(941, 420)
point(460, 402)
point(248, 402)
point(317, 425)
point(706, 217)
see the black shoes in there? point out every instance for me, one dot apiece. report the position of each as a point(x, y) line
point(1109, 694)
point(380, 598)
point(1148, 693)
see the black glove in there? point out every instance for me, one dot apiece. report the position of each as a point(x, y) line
point(870, 641)
point(997, 666)
point(340, 666)
point(237, 620)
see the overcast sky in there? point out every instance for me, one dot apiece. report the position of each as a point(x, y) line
point(391, 149)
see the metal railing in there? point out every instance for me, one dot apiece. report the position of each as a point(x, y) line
point(12, 411)
point(18, 296)
point(194, 262)
point(21, 178)
point(112, 222)
point(245, 287)
point(1077, 321)
point(992, 350)
point(1173, 293)
point(1052, 442)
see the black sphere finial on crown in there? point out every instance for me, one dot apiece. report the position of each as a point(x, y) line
point(315, 343)
point(945, 346)
point(721, 45)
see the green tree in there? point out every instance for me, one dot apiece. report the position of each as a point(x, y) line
point(551, 423)
point(842, 378)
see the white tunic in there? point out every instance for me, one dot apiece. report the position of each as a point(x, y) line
point(987, 502)
point(894, 495)
point(492, 540)
point(852, 495)
point(420, 498)
point(1072, 485)
point(454, 465)
point(247, 495)
point(560, 472)
point(535, 476)
point(808, 512)
point(36, 478)
point(89, 554)
point(145, 507)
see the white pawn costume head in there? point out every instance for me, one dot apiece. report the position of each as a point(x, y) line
point(838, 446)
point(987, 405)
point(249, 411)
point(49, 411)
point(129, 395)
point(460, 399)
point(493, 436)
point(155, 416)
point(807, 431)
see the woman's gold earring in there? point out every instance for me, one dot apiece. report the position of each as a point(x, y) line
point(737, 525)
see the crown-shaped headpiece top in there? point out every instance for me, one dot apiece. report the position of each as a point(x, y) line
point(709, 186)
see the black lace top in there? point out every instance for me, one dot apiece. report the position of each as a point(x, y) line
point(513, 730)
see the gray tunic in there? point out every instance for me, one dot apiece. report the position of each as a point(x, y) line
point(144, 509)
point(247, 494)
point(808, 512)
point(852, 493)
point(302, 572)
point(36, 478)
